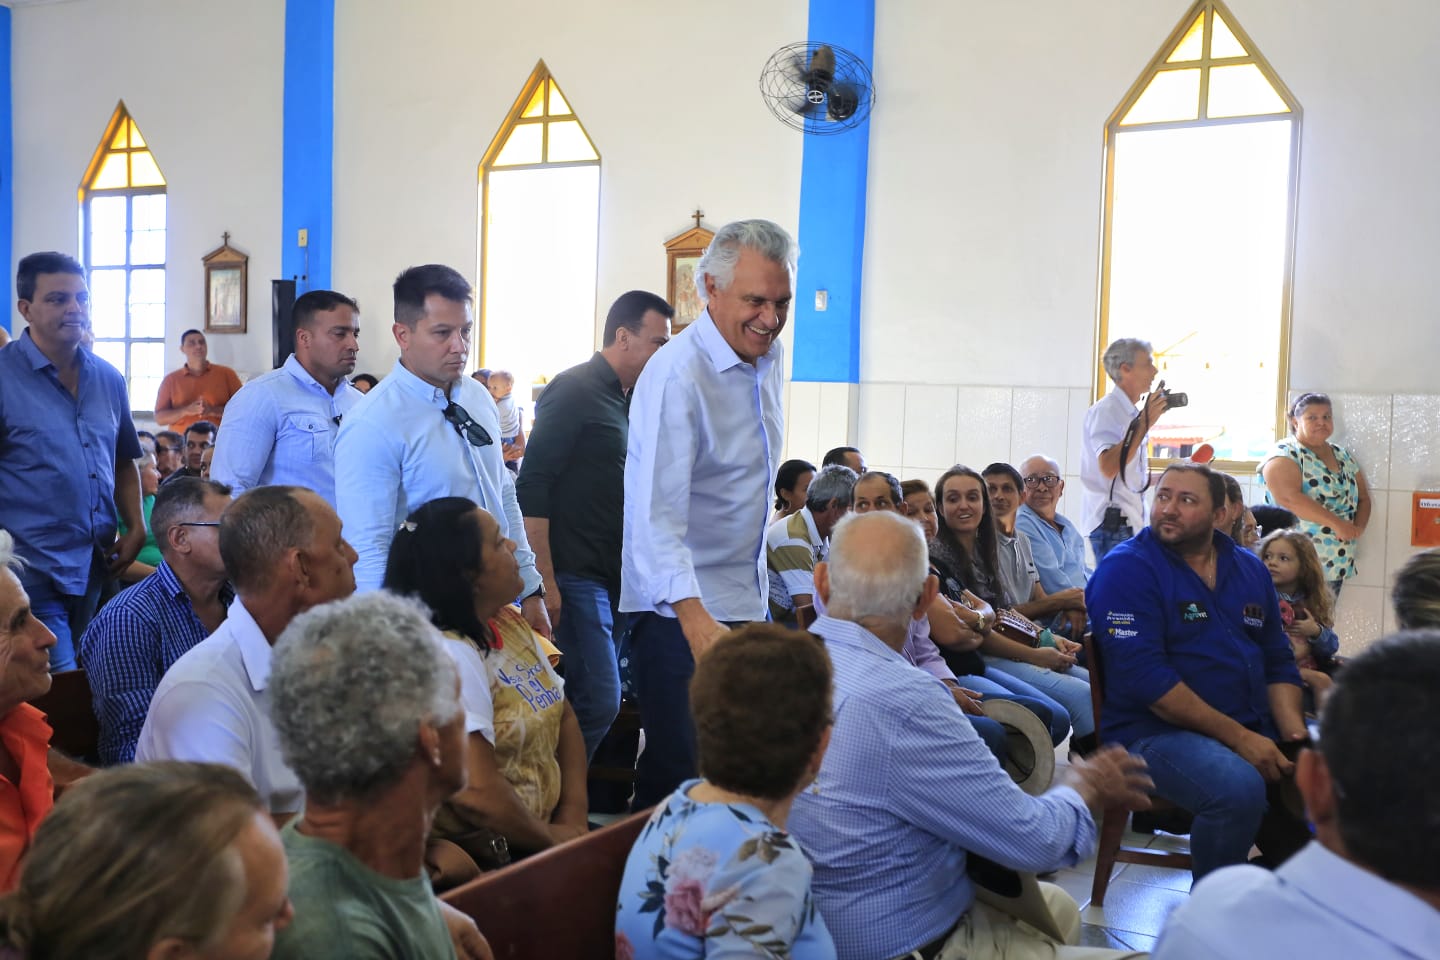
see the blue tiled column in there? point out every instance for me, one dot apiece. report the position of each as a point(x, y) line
point(308, 180)
point(832, 217)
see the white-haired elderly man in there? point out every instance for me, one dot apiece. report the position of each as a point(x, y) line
point(1114, 469)
point(284, 552)
point(906, 794)
point(794, 544)
point(366, 703)
point(706, 431)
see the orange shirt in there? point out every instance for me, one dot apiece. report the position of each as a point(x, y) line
point(181, 388)
point(26, 735)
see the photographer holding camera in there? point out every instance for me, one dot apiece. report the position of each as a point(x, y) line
point(1115, 470)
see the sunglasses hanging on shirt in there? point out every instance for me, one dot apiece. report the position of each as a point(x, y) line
point(466, 425)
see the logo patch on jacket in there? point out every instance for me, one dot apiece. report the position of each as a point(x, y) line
point(1254, 615)
point(1192, 611)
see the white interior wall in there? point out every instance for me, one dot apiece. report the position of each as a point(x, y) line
point(204, 82)
point(985, 185)
point(666, 91)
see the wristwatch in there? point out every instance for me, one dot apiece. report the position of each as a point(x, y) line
point(538, 592)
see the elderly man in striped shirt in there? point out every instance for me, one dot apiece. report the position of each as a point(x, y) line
point(906, 794)
point(794, 544)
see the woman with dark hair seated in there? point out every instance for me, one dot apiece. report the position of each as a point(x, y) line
point(714, 873)
point(161, 859)
point(1416, 594)
point(792, 480)
point(965, 558)
point(527, 757)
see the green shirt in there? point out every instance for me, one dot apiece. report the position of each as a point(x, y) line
point(150, 553)
point(347, 911)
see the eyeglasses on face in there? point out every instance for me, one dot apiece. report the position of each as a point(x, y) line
point(1048, 480)
point(160, 449)
point(466, 426)
point(198, 523)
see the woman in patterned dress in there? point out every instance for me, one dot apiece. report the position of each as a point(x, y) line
point(525, 752)
point(1322, 484)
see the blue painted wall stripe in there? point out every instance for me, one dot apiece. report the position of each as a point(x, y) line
point(832, 217)
point(308, 179)
point(7, 176)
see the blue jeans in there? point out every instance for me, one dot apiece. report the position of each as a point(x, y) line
point(993, 734)
point(1070, 689)
point(997, 686)
point(1102, 541)
point(586, 636)
point(1224, 792)
point(66, 615)
point(661, 667)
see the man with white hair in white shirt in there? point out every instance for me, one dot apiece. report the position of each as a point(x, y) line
point(706, 430)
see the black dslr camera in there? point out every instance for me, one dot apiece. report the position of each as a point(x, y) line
point(1172, 399)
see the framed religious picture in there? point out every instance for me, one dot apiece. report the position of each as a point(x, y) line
point(226, 273)
point(682, 254)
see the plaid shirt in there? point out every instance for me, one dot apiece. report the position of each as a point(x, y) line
point(127, 649)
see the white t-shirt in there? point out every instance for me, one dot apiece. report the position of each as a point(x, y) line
point(212, 707)
point(1105, 426)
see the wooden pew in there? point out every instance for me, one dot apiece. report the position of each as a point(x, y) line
point(71, 714)
point(557, 904)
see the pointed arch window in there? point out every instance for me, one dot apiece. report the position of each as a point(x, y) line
point(122, 238)
point(1201, 163)
point(539, 233)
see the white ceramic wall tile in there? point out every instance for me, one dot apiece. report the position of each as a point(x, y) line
point(930, 427)
point(881, 422)
point(1071, 500)
point(1415, 443)
point(1389, 620)
point(984, 418)
point(839, 403)
point(802, 423)
point(1039, 423)
point(1371, 553)
point(1079, 403)
point(1360, 621)
point(1362, 426)
point(1398, 531)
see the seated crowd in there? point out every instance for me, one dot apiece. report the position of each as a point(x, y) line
point(302, 741)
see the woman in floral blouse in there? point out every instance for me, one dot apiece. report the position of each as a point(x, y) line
point(1321, 483)
point(714, 874)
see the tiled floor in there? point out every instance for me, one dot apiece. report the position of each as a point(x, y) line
point(1138, 899)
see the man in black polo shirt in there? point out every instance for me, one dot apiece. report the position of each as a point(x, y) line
point(571, 490)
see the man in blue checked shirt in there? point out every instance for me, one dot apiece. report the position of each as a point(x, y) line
point(139, 634)
point(427, 431)
point(281, 427)
point(706, 431)
point(906, 793)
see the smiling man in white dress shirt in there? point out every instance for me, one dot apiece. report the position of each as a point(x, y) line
point(427, 431)
point(706, 428)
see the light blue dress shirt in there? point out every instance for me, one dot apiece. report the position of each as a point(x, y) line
point(1316, 905)
point(397, 452)
point(1059, 555)
point(705, 435)
point(280, 429)
point(903, 792)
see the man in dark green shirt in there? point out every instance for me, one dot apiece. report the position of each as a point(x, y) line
point(571, 490)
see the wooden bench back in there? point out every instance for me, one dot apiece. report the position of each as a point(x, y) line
point(69, 708)
point(558, 903)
